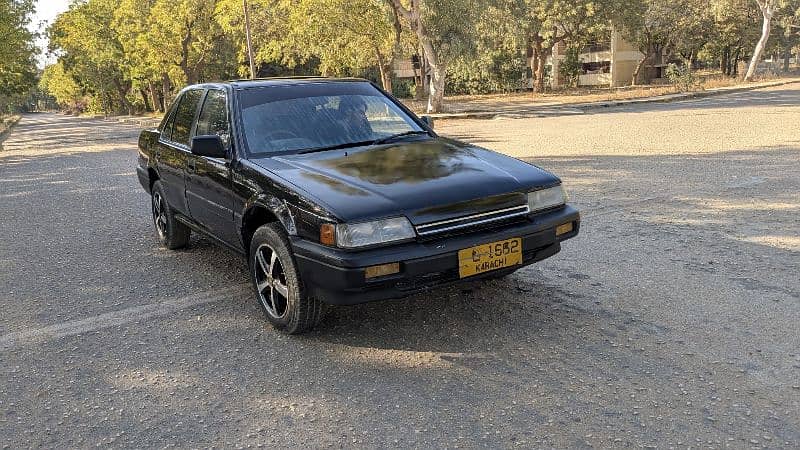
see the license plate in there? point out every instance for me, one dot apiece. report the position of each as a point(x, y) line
point(488, 257)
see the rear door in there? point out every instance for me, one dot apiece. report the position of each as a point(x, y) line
point(208, 180)
point(173, 145)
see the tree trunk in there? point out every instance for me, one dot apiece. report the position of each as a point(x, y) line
point(385, 67)
point(146, 100)
point(436, 98)
point(735, 63)
point(638, 69)
point(437, 67)
point(184, 62)
point(155, 101)
point(786, 59)
point(122, 92)
point(767, 11)
point(538, 60)
point(724, 61)
point(166, 87)
point(425, 74)
point(420, 87)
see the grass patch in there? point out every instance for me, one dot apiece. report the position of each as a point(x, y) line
point(7, 122)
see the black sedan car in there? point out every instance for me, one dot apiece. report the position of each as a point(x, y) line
point(338, 194)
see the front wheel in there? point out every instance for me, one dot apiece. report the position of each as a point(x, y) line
point(277, 283)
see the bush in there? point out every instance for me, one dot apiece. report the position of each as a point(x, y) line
point(495, 71)
point(682, 77)
point(403, 87)
point(571, 67)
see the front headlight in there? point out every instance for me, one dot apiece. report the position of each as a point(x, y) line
point(352, 235)
point(547, 198)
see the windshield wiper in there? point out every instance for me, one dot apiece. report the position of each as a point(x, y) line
point(398, 135)
point(335, 147)
point(361, 143)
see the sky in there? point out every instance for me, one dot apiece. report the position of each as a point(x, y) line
point(46, 11)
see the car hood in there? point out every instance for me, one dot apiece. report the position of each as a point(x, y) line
point(425, 180)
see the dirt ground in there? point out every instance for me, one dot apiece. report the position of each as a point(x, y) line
point(671, 321)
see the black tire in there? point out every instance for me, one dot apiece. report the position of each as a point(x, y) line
point(281, 295)
point(171, 233)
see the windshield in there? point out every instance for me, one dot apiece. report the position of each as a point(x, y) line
point(308, 116)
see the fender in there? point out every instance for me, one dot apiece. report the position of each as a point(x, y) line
point(277, 207)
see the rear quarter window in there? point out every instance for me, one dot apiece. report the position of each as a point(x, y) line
point(165, 128)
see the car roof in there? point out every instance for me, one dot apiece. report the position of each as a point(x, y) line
point(276, 81)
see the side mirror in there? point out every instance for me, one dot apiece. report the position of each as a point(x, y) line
point(428, 120)
point(210, 145)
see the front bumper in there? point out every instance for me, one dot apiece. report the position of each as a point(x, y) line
point(337, 277)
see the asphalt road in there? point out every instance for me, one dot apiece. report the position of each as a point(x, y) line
point(671, 321)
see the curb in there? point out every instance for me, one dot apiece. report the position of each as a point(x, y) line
point(145, 122)
point(682, 96)
point(609, 104)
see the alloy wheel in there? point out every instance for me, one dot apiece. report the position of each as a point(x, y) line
point(160, 215)
point(273, 290)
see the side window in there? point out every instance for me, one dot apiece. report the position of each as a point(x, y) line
point(184, 116)
point(214, 116)
point(169, 120)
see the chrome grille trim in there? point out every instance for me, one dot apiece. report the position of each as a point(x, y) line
point(476, 219)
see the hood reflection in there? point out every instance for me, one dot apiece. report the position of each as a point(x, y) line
point(412, 163)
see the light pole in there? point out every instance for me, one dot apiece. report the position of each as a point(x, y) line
point(249, 41)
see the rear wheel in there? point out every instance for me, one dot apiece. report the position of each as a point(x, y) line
point(171, 233)
point(279, 290)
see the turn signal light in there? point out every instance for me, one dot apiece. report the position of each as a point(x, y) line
point(382, 270)
point(564, 228)
point(327, 234)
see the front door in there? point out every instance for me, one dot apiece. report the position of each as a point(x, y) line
point(208, 180)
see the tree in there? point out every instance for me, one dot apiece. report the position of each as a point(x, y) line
point(344, 44)
point(660, 28)
point(444, 31)
point(91, 52)
point(17, 50)
point(694, 30)
point(269, 23)
point(185, 42)
point(55, 81)
point(132, 21)
point(543, 24)
point(734, 28)
point(768, 9)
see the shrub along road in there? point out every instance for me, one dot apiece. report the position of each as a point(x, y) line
point(671, 321)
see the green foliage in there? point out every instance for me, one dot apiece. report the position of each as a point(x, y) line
point(56, 82)
point(682, 77)
point(341, 43)
point(404, 88)
point(130, 55)
point(269, 22)
point(91, 52)
point(571, 66)
point(491, 71)
point(17, 52)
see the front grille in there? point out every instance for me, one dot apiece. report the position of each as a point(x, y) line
point(475, 221)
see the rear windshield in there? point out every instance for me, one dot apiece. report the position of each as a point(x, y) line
point(316, 115)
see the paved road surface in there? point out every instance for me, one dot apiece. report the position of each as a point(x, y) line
point(671, 321)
